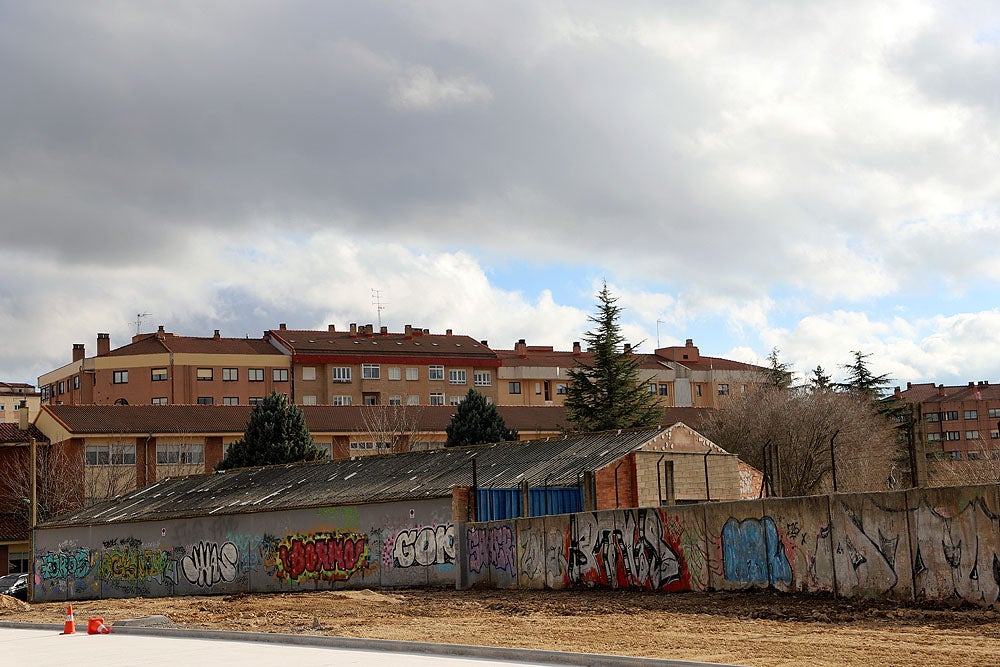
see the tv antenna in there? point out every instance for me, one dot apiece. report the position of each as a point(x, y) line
point(379, 305)
point(658, 323)
point(138, 322)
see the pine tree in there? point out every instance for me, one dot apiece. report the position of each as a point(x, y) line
point(276, 433)
point(862, 381)
point(476, 422)
point(777, 373)
point(605, 392)
point(819, 381)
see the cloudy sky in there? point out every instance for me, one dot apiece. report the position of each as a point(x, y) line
point(816, 177)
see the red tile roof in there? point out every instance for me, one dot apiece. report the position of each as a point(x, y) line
point(301, 342)
point(12, 433)
point(13, 527)
point(154, 344)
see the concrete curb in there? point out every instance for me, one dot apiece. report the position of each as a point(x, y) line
point(391, 646)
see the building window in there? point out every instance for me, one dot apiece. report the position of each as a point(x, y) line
point(933, 437)
point(995, 434)
point(970, 414)
point(949, 415)
point(205, 400)
point(230, 374)
point(994, 413)
point(370, 372)
point(280, 375)
point(158, 374)
point(230, 400)
point(955, 456)
point(663, 389)
point(340, 400)
point(395, 400)
point(931, 417)
point(160, 400)
point(513, 387)
point(17, 562)
point(723, 390)
point(341, 373)
point(394, 373)
point(115, 455)
point(369, 399)
point(76, 382)
point(412, 374)
point(697, 390)
point(62, 385)
point(456, 376)
point(972, 435)
point(256, 400)
point(437, 398)
point(308, 372)
point(562, 388)
point(413, 399)
point(205, 374)
point(435, 372)
point(255, 374)
point(118, 377)
point(972, 456)
point(308, 400)
point(455, 400)
point(952, 435)
point(483, 378)
point(180, 454)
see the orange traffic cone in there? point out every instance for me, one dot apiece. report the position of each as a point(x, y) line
point(96, 627)
point(70, 627)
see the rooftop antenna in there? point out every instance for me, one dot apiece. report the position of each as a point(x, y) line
point(658, 323)
point(138, 322)
point(379, 306)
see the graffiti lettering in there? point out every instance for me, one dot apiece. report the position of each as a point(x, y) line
point(635, 555)
point(64, 564)
point(331, 556)
point(131, 564)
point(208, 563)
point(430, 545)
point(478, 549)
point(752, 552)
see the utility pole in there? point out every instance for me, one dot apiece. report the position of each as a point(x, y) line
point(33, 517)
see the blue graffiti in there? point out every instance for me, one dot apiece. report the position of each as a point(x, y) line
point(752, 552)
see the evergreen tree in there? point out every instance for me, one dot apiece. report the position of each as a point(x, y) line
point(777, 373)
point(819, 381)
point(862, 381)
point(276, 433)
point(476, 422)
point(605, 392)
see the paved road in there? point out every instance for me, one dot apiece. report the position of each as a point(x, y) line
point(43, 646)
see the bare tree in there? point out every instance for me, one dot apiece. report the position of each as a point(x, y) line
point(797, 436)
point(110, 469)
point(58, 488)
point(979, 466)
point(393, 428)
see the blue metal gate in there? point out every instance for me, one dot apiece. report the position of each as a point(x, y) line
point(499, 504)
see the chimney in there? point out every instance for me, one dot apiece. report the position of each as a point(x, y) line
point(576, 347)
point(22, 416)
point(331, 328)
point(408, 331)
point(484, 343)
point(909, 385)
point(354, 329)
point(383, 331)
point(370, 329)
point(972, 384)
point(78, 352)
point(447, 332)
point(216, 336)
point(160, 333)
point(282, 326)
point(522, 348)
point(689, 342)
point(940, 391)
point(628, 348)
point(103, 344)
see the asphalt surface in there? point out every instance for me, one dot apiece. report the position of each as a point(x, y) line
point(43, 645)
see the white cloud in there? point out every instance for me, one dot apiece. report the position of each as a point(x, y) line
point(420, 88)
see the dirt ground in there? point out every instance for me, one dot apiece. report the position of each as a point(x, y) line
point(753, 628)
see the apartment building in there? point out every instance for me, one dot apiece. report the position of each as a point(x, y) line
point(956, 422)
point(163, 368)
point(680, 376)
point(363, 366)
point(12, 395)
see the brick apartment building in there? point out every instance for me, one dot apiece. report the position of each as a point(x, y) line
point(956, 422)
point(680, 376)
point(12, 395)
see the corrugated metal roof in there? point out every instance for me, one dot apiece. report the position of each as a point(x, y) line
point(370, 479)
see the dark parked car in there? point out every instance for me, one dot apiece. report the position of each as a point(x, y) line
point(15, 585)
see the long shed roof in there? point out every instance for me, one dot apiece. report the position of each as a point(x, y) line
point(370, 479)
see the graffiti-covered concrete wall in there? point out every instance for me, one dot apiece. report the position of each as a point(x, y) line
point(398, 544)
point(924, 544)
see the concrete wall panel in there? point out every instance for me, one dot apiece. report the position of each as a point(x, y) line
point(390, 544)
point(956, 543)
point(737, 549)
point(871, 545)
